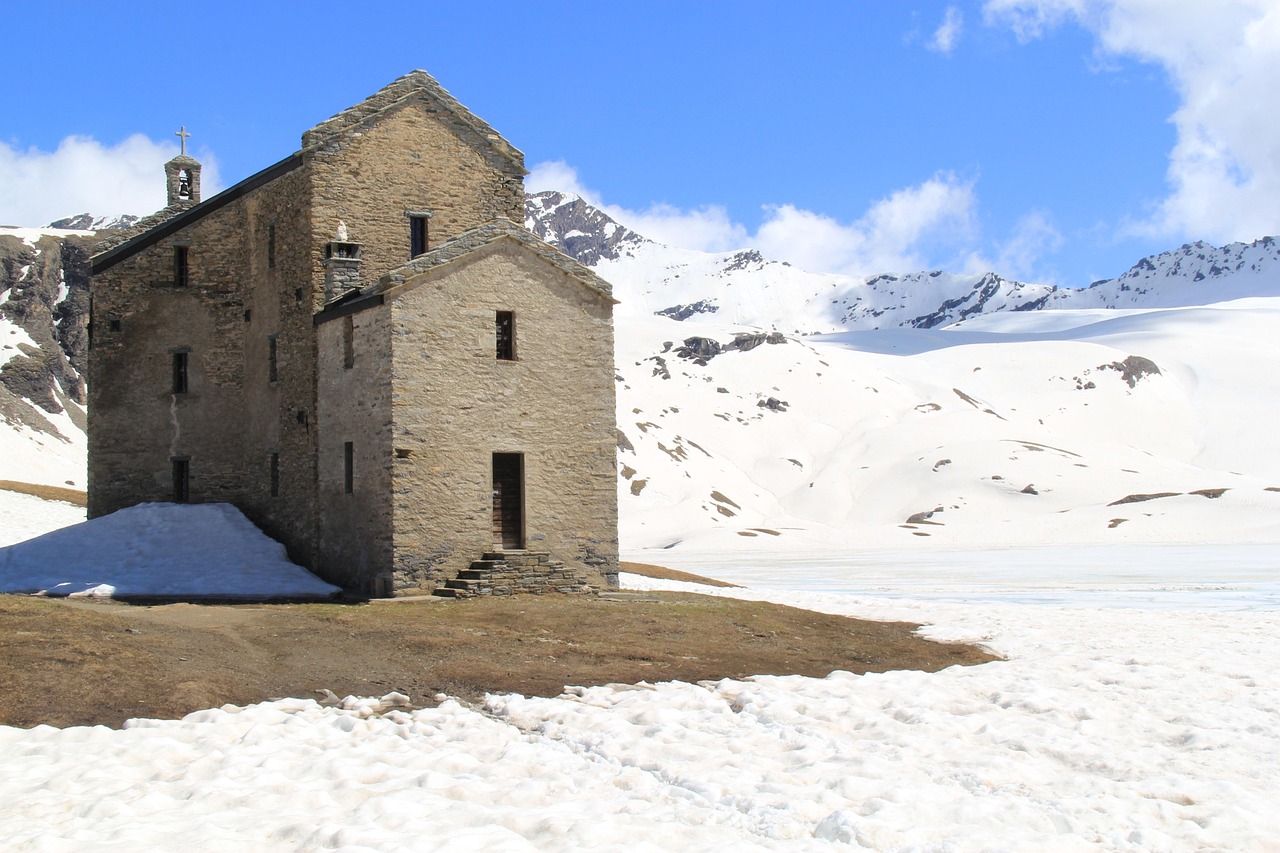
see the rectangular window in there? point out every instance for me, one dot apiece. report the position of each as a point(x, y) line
point(348, 468)
point(274, 459)
point(348, 342)
point(181, 479)
point(180, 266)
point(272, 372)
point(180, 373)
point(417, 235)
point(271, 246)
point(505, 326)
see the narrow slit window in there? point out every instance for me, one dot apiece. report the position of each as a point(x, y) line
point(180, 373)
point(348, 342)
point(505, 327)
point(272, 360)
point(181, 479)
point(274, 460)
point(271, 246)
point(181, 266)
point(417, 235)
point(348, 468)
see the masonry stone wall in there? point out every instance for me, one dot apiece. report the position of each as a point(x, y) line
point(233, 416)
point(280, 414)
point(454, 405)
point(412, 159)
point(355, 533)
point(140, 319)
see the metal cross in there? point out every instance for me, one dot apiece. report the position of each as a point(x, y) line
point(183, 135)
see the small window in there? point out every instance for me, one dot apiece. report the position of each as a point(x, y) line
point(274, 460)
point(506, 334)
point(271, 246)
point(114, 325)
point(181, 479)
point(417, 235)
point(181, 267)
point(272, 372)
point(348, 468)
point(348, 342)
point(180, 372)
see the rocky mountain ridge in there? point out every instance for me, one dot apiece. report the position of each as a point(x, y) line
point(745, 287)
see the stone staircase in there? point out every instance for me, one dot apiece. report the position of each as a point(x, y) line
point(515, 573)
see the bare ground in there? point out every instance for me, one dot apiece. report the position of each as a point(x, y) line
point(76, 662)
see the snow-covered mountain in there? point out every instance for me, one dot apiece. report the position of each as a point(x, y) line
point(763, 406)
point(937, 408)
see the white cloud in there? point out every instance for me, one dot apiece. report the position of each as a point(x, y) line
point(84, 176)
point(909, 229)
point(1223, 59)
point(1034, 236)
point(948, 32)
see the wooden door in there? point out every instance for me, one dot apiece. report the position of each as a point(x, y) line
point(508, 501)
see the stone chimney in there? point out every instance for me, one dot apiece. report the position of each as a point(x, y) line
point(341, 265)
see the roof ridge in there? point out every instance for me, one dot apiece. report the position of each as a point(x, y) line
point(395, 93)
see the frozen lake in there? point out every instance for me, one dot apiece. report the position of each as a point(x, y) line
point(1198, 577)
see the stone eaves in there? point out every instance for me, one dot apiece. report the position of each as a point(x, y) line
point(415, 84)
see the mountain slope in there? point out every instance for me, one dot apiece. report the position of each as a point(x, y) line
point(946, 410)
point(44, 306)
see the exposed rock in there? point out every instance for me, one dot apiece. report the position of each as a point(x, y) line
point(773, 404)
point(701, 350)
point(581, 231)
point(1132, 369)
point(684, 312)
point(661, 369)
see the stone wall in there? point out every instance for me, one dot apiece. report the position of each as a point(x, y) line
point(455, 405)
point(411, 159)
point(355, 406)
point(233, 416)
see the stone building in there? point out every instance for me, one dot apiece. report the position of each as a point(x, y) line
point(361, 349)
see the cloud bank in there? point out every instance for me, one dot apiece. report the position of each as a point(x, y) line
point(83, 175)
point(1223, 60)
point(911, 228)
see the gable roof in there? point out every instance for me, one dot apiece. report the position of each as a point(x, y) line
point(170, 220)
point(414, 85)
point(456, 249)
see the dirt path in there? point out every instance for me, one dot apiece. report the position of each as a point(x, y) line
point(74, 662)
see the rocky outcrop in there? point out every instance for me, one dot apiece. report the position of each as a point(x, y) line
point(581, 231)
point(45, 291)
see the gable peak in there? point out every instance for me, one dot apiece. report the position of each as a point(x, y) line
point(415, 84)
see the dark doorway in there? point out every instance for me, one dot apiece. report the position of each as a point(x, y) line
point(508, 501)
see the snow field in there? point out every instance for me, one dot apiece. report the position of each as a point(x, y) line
point(193, 550)
point(1113, 729)
point(1015, 425)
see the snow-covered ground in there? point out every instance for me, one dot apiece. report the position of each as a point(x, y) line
point(198, 550)
point(1009, 429)
point(1107, 728)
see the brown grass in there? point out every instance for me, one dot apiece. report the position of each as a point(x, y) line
point(71, 662)
point(49, 493)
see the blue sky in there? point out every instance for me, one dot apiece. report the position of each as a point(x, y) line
point(1050, 140)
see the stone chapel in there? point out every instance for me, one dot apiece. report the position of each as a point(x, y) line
point(362, 349)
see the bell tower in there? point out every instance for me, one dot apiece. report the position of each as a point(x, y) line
point(182, 177)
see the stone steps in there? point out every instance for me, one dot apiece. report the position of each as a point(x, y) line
point(513, 573)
